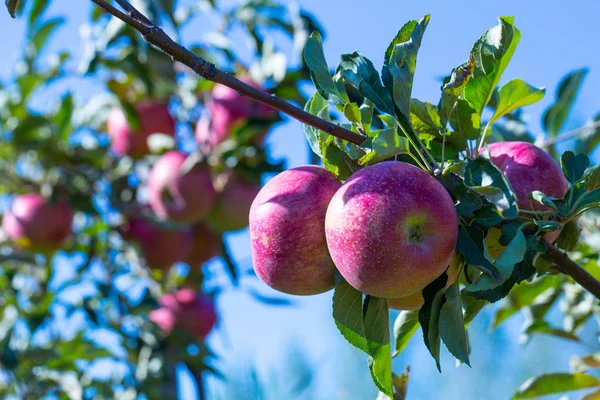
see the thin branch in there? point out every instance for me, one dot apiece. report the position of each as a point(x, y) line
point(568, 267)
point(571, 135)
point(156, 36)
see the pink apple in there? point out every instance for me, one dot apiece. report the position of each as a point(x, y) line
point(391, 229)
point(34, 222)
point(228, 110)
point(205, 245)
point(187, 310)
point(287, 231)
point(411, 302)
point(235, 195)
point(529, 168)
point(184, 196)
point(154, 117)
point(160, 248)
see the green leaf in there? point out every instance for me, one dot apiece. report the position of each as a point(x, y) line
point(556, 115)
point(429, 316)
point(337, 160)
point(385, 144)
point(472, 307)
point(483, 177)
point(569, 236)
point(360, 73)
point(352, 112)
point(491, 54)
point(452, 87)
point(402, 63)
point(37, 9)
point(589, 139)
point(377, 332)
point(470, 245)
point(574, 166)
point(405, 326)
point(319, 71)
point(348, 314)
point(543, 199)
point(43, 33)
point(425, 118)
point(555, 383)
point(318, 106)
point(11, 5)
point(591, 180)
point(452, 325)
point(63, 116)
point(505, 263)
point(466, 123)
point(515, 94)
point(543, 327)
point(402, 36)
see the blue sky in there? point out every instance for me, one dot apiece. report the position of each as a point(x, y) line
point(556, 37)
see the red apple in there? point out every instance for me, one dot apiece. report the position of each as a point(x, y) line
point(177, 195)
point(235, 195)
point(287, 231)
point(160, 248)
point(154, 118)
point(411, 302)
point(529, 168)
point(187, 310)
point(391, 229)
point(228, 110)
point(205, 245)
point(34, 222)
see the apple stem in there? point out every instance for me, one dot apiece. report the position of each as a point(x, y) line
point(156, 36)
point(568, 267)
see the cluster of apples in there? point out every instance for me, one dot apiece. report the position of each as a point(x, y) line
point(390, 229)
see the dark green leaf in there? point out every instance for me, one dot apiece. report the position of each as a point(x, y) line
point(315, 60)
point(466, 123)
point(318, 106)
point(402, 63)
point(515, 94)
point(470, 245)
point(348, 314)
point(555, 383)
point(424, 118)
point(405, 326)
point(591, 179)
point(590, 138)
point(402, 36)
point(574, 166)
point(452, 325)
point(556, 115)
point(429, 316)
point(491, 54)
point(11, 5)
point(569, 236)
point(543, 199)
point(452, 87)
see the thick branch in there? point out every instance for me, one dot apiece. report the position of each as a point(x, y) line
point(568, 267)
point(156, 36)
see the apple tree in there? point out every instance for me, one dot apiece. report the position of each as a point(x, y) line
point(112, 202)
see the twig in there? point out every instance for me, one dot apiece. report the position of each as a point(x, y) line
point(156, 36)
point(570, 135)
point(568, 267)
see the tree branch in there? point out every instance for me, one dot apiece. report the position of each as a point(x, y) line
point(568, 267)
point(156, 36)
point(571, 135)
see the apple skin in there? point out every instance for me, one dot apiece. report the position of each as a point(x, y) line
point(228, 109)
point(287, 231)
point(154, 118)
point(180, 197)
point(411, 302)
point(205, 245)
point(529, 168)
point(232, 205)
point(160, 248)
point(34, 223)
point(370, 222)
point(187, 310)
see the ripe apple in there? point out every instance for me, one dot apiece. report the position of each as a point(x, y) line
point(391, 229)
point(154, 117)
point(183, 196)
point(205, 245)
point(235, 195)
point(33, 222)
point(411, 302)
point(187, 310)
point(160, 248)
point(529, 168)
point(287, 231)
point(228, 110)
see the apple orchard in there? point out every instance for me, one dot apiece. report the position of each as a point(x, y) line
point(434, 209)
